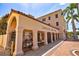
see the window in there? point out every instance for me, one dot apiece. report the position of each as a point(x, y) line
point(57, 23)
point(48, 23)
point(56, 16)
point(49, 18)
point(43, 19)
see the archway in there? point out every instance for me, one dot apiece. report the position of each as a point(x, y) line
point(53, 37)
point(12, 35)
point(27, 40)
point(40, 38)
point(49, 37)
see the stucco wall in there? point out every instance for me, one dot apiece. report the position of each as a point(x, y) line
point(2, 40)
point(53, 20)
point(28, 23)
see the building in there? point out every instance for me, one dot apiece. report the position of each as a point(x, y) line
point(24, 32)
point(55, 19)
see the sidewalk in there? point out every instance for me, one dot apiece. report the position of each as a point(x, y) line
point(65, 49)
point(42, 49)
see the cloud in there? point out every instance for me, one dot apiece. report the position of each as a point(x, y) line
point(62, 3)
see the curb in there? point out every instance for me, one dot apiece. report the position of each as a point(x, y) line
point(73, 52)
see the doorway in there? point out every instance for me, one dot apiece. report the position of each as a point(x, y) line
point(40, 38)
point(27, 40)
point(49, 37)
point(53, 37)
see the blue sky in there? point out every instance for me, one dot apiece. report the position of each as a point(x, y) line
point(35, 9)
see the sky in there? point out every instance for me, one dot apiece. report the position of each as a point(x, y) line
point(35, 9)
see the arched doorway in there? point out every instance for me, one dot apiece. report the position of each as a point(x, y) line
point(53, 37)
point(40, 38)
point(12, 36)
point(49, 37)
point(27, 40)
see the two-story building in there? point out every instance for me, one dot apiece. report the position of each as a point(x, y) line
point(25, 32)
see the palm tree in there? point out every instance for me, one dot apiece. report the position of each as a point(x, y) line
point(3, 24)
point(71, 14)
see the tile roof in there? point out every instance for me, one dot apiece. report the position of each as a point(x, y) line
point(12, 10)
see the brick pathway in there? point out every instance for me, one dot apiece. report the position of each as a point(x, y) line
point(65, 49)
point(42, 49)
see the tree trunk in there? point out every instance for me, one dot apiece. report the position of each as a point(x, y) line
point(74, 29)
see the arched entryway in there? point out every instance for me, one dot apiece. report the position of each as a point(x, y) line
point(12, 35)
point(27, 40)
point(49, 37)
point(40, 38)
point(53, 37)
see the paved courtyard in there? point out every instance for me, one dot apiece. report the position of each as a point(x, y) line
point(65, 49)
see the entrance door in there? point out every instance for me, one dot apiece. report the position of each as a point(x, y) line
point(27, 41)
point(49, 37)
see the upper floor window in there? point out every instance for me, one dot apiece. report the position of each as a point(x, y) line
point(56, 16)
point(44, 19)
point(57, 23)
point(49, 18)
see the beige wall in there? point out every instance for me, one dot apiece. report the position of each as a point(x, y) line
point(2, 40)
point(28, 23)
point(60, 19)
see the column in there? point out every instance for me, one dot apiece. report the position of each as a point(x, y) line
point(18, 42)
point(55, 36)
point(51, 37)
point(58, 36)
point(7, 38)
point(45, 38)
point(35, 40)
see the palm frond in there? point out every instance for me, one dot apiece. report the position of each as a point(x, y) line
point(76, 17)
point(68, 18)
point(77, 8)
point(73, 5)
point(65, 11)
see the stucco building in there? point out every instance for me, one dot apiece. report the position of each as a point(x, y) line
point(24, 32)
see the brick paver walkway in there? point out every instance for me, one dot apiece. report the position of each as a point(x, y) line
point(42, 49)
point(65, 49)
